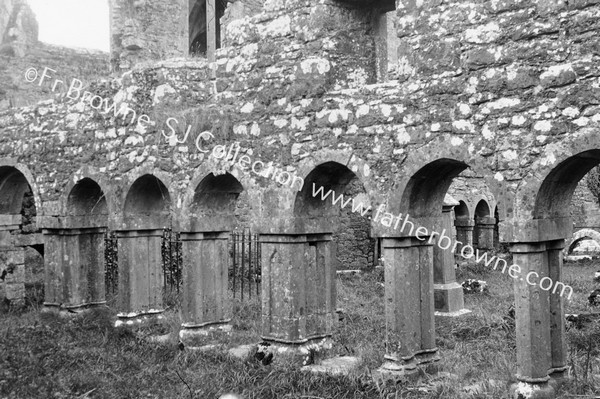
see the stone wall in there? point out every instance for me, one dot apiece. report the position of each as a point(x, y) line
point(355, 246)
point(144, 30)
point(585, 210)
point(20, 50)
point(292, 89)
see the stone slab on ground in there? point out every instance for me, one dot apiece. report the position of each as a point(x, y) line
point(453, 314)
point(242, 352)
point(343, 365)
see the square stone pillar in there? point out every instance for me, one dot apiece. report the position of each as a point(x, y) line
point(206, 307)
point(12, 261)
point(409, 306)
point(532, 321)
point(448, 294)
point(141, 276)
point(74, 269)
point(485, 232)
point(559, 368)
point(298, 292)
point(464, 232)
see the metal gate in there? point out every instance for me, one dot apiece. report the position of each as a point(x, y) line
point(111, 265)
point(172, 262)
point(244, 270)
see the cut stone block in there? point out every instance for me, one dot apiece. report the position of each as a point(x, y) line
point(343, 365)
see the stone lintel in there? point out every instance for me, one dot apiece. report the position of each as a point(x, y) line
point(145, 222)
point(8, 222)
point(204, 235)
point(72, 222)
point(537, 230)
point(27, 240)
point(485, 221)
point(294, 238)
point(72, 232)
point(207, 224)
point(411, 226)
point(139, 233)
point(296, 225)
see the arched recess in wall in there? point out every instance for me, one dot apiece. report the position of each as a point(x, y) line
point(215, 201)
point(87, 217)
point(18, 264)
point(140, 242)
point(352, 235)
point(482, 231)
point(198, 25)
point(148, 196)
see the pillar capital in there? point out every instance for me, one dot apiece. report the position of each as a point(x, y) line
point(464, 223)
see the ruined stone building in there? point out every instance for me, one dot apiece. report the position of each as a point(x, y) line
point(390, 101)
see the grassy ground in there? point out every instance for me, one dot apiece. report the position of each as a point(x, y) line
point(45, 357)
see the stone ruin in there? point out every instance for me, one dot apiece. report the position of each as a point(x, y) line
point(397, 98)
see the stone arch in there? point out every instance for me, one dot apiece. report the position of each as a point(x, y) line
point(299, 253)
point(537, 244)
point(483, 231)
point(11, 167)
point(86, 197)
point(463, 223)
point(215, 195)
point(352, 240)
point(146, 213)
point(76, 262)
point(79, 189)
point(461, 211)
point(19, 207)
point(205, 255)
point(581, 235)
point(531, 213)
point(147, 197)
point(415, 267)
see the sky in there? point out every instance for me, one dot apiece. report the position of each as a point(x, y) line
point(73, 23)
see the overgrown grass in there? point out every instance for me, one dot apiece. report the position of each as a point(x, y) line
point(42, 356)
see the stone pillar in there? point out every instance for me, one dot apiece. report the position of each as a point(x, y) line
point(485, 232)
point(448, 294)
point(409, 306)
point(74, 269)
point(206, 307)
point(559, 369)
point(141, 278)
point(12, 261)
point(464, 234)
point(298, 292)
point(532, 323)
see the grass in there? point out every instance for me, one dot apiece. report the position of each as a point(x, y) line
point(42, 356)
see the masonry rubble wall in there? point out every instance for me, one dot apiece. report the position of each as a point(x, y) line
point(488, 84)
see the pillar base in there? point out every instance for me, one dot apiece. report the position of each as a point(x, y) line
point(558, 376)
point(527, 390)
point(67, 311)
point(409, 369)
point(448, 298)
point(300, 354)
point(141, 319)
point(202, 336)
